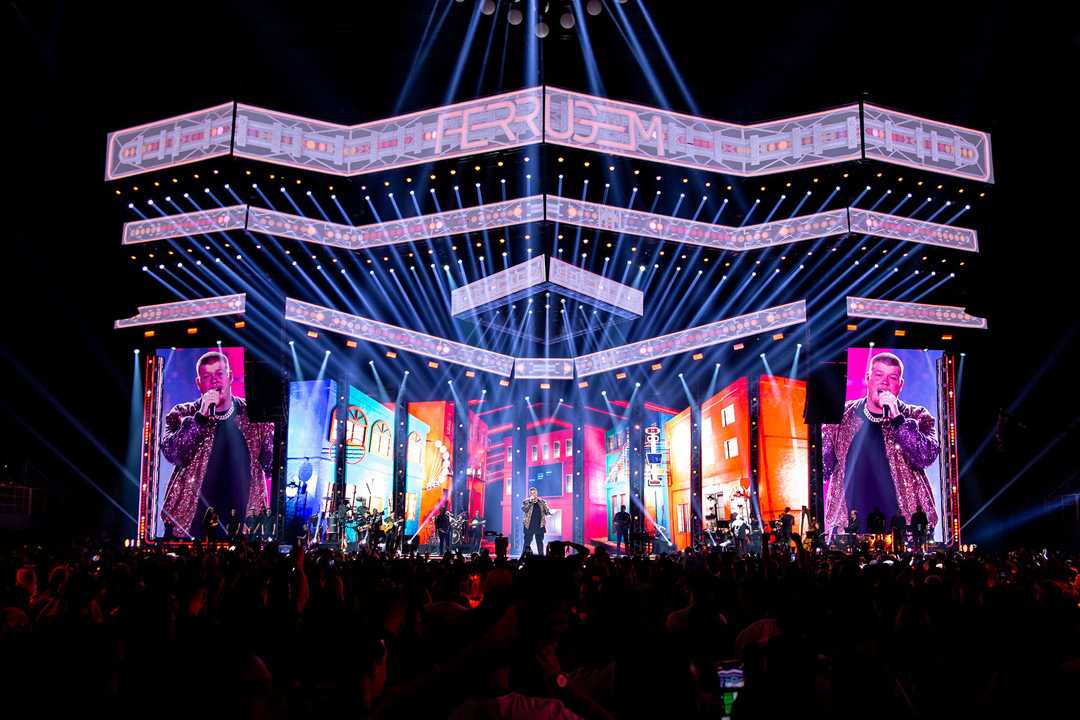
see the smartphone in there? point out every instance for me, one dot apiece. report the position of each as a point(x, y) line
point(729, 673)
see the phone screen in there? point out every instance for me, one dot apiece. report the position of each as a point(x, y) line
point(730, 676)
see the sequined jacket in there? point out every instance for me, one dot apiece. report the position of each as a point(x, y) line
point(910, 446)
point(187, 442)
point(530, 507)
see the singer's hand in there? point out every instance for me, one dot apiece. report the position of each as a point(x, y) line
point(887, 400)
point(210, 398)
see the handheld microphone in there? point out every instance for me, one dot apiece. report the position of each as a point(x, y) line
point(886, 411)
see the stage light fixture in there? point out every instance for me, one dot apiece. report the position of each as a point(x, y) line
point(433, 365)
point(352, 344)
point(738, 346)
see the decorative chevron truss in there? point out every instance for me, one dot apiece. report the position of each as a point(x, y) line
point(553, 208)
point(533, 116)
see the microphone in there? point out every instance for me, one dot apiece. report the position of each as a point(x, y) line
point(886, 411)
point(213, 409)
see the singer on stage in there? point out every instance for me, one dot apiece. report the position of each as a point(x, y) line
point(221, 458)
point(536, 511)
point(876, 456)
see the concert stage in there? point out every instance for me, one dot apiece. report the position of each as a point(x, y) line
point(614, 304)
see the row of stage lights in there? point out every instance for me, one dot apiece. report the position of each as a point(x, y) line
point(453, 172)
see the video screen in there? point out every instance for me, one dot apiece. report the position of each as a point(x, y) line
point(213, 464)
point(678, 433)
point(311, 460)
point(883, 459)
point(429, 466)
point(783, 449)
point(369, 453)
point(725, 456)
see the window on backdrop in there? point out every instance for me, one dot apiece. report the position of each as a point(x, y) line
point(416, 448)
point(731, 448)
point(545, 450)
point(727, 415)
point(382, 442)
point(555, 450)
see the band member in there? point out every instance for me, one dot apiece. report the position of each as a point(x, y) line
point(235, 526)
point(442, 527)
point(876, 456)
point(220, 457)
point(211, 524)
point(740, 531)
point(476, 531)
point(852, 527)
point(919, 525)
point(536, 511)
point(392, 530)
point(622, 522)
point(787, 522)
point(898, 525)
point(260, 525)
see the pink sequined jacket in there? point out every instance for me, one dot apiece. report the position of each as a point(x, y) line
point(187, 444)
point(910, 446)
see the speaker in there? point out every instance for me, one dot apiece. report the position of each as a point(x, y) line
point(826, 388)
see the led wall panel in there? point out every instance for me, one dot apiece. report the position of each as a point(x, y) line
point(185, 310)
point(902, 228)
point(721, 237)
point(902, 139)
point(913, 312)
point(198, 135)
point(611, 295)
point(185, 224)
point(477, 126)
point(544, 368)
point(423, 227)
point(697, 337)
point(502, 286)
point(392, 336)
point(636, 131)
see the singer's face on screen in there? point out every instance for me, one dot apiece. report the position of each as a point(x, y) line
point(883, 378)
point(215, 375)
point(532, 493)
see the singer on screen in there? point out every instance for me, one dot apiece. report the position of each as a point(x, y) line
point(221, 458)
point(876, 456)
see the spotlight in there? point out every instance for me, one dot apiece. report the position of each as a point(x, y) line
point(488, 7)
point(567, 20)
point(542, 29)
point(514, 16)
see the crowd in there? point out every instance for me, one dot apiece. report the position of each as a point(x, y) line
point(254, 632)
